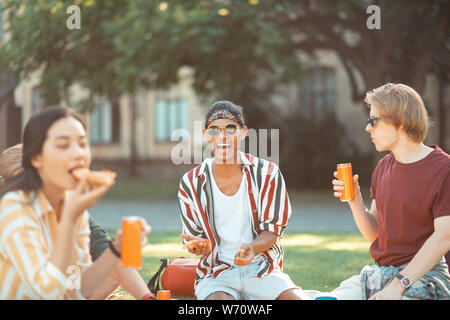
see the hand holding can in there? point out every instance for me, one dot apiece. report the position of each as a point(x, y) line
point(344, 185)
point(132, 241)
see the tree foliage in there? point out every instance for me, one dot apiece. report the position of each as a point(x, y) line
point(236, 49)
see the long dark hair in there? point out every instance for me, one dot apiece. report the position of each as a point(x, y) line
point(34, 136)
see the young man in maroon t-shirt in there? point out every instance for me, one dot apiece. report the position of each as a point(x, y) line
point(408, 224)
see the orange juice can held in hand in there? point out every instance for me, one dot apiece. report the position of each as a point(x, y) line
point(345, 174)
point(131, 242)
point(163, 295)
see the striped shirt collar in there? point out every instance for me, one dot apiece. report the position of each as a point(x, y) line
point(41, 204)
point(246, 160)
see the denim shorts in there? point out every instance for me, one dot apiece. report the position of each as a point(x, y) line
point(241, 282)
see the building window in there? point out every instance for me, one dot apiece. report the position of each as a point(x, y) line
point(318, 93)
point(104, 121)
point(171, 114)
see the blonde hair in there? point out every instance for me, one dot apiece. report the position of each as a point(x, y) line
point(401, 105)
point(11, 162)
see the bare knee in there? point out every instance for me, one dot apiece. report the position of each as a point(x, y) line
point(293, 294)
point(220, 295)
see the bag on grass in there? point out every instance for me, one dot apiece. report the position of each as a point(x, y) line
point(176, 275)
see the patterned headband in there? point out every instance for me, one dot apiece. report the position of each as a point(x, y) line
point(226, 114)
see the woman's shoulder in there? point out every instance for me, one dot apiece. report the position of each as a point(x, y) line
point(14, 201)
point(16, 210)
point(17, 196)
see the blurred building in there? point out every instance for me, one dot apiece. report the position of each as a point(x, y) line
point(325, 88)
point(112, 125)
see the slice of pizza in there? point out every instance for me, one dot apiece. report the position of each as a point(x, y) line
point(196, 243)
point(103, 177)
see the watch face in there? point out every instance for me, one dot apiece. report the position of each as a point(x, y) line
point(406, 282)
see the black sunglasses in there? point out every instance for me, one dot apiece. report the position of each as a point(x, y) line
point(214, 131)
point(373, 121)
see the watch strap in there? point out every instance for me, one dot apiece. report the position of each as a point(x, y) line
point(405, 281)
point(113, 249)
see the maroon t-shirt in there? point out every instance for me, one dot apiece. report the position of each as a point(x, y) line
point(409, 197)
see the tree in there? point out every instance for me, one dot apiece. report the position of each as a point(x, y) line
point(402, 50)
point(238, 50)
point(40, 41)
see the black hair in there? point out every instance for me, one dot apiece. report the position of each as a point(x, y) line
point(34, 136)
point(234, 109)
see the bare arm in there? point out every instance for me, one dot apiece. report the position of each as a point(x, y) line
point(434, 248)
point(94, 276)
point(366, 220)
point(131, 280)
point(263, 242)
point(83, 198)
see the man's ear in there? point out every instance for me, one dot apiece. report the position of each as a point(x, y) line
point(36, 161)
point(243, 132)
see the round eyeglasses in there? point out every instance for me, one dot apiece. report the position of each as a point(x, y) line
point(230, 129)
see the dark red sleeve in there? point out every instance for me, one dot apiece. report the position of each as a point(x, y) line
point(375, 174)
point(441, 205)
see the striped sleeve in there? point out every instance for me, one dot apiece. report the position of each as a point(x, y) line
point(275, 205)
point(189, 217)
point(22, 243)
point(82, 258)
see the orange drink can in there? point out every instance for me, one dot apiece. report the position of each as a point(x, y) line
point(163, 295)
point(345, 174)
point(131, 242)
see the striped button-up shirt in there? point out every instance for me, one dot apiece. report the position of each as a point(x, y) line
point(269, 203)
point(28, 231)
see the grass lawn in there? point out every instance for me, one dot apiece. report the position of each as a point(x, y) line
point(145, 189)
point(318, 261)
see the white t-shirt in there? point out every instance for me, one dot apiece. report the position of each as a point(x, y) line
point(232, 219)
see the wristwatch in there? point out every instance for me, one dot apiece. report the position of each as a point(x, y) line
point(405, 281)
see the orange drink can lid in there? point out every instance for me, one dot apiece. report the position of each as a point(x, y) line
point(343, 165)
point(131, 218)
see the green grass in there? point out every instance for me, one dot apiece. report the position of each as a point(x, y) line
point(317, 261)
point(145, 189)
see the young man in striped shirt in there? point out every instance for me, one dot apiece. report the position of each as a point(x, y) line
point(240, 204)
